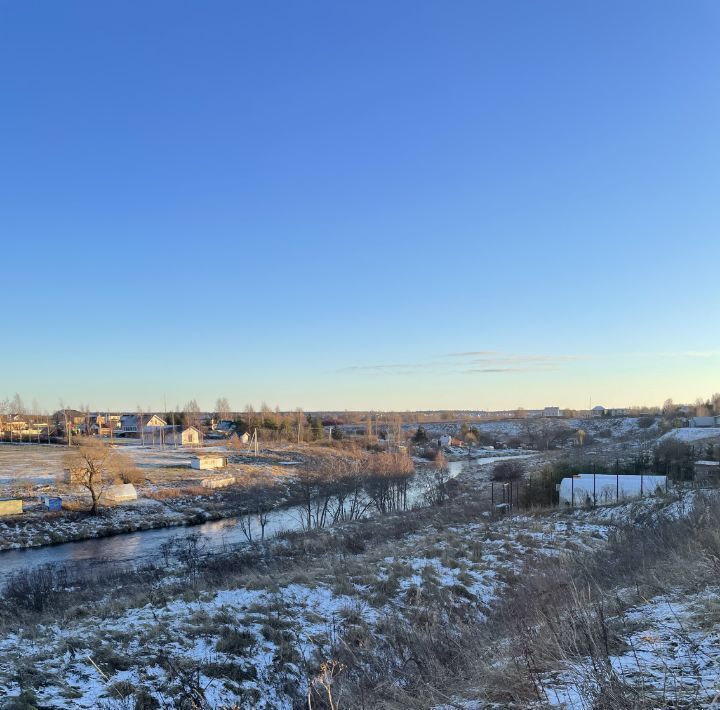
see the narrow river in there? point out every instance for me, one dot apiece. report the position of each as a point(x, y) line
point(129, 549)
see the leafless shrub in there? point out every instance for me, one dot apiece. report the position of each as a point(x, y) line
point(510, 470)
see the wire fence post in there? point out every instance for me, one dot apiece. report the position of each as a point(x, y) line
point(617, 487)
point(594, 495)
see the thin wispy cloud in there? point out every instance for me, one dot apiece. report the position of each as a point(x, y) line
point(392, 368)
point(472, 362)
point(486, 370)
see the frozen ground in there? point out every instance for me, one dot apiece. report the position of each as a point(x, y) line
point(690, 434)
point(671, 647)
point(30, 463)
point(247, 641)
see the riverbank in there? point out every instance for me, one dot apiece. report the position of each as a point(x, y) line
point(153, 510)
point(278, 495)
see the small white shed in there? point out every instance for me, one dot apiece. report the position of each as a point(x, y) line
point(120, 494)
point(192, 436)
point(208, 461)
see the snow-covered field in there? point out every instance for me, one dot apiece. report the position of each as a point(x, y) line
point(618, 427)
point(690, 434)
point(669, 648)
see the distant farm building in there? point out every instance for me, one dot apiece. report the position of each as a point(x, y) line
point(551, 412)
point(208, 461)
point(704, 422)
point(707, 471)
point(598, 411)
point(192, 436)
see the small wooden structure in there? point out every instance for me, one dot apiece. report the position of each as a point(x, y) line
point(192, 436)
point(11, 506)
point(208, 461)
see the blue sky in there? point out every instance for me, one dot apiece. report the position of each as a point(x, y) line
point(359, 204)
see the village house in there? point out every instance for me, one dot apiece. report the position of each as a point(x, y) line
point(105, 424)
point(72, 418)
point(136, 423)
point(551, 412)
point(597, 411)
point(19, 426)
point(15, 425)
point(226, 427)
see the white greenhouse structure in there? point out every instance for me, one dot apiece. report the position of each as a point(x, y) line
point(602, 488)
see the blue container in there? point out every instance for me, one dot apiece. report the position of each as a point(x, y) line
point(52, 503)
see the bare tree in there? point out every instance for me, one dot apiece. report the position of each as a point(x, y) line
point(95, 465)
point(437, 493)
point(701, 409)
point(222, 408)
point(192, 414)
point(510, 470)
point(715, 402)
point(250, 417)
point(668, 407)
point(299, 422)
point(17, 407)
point(4, 410)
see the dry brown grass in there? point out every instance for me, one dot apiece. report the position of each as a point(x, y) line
point(566, 610)
point(176, 492)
